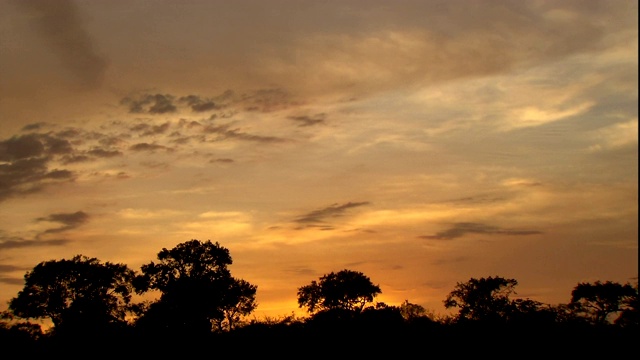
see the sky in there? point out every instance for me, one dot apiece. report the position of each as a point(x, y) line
point(422, 143)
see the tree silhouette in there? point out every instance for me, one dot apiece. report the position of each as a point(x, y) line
point(196, 289)
point(239, 300)
point(599, 300)
point(485, 299)
point(345, 290)
point(411, 311)
point(630, 314)
point(79, 294)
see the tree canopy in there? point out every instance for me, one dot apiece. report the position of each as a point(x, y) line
point(76, 292)
point(345, 290)
point(482, 299)
point(598, 301)
point(196, 287)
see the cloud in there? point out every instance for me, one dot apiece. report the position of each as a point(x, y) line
point(226, 132)
point(463, 228)
point(26, 176)
point(147, 147)
point(16, 244)
point(25, 161)
point(21, 147)
point(34, 126)
point(332, 211)
point(198, 104)
point(308, 120)
point(103, 153)
point(147, 130)
point(151, 104)
point(8, 268)
point(12, 281)
point(68, 220)
point(221, 160)
point(267, 100)
point(616, 136)
point(59, 23)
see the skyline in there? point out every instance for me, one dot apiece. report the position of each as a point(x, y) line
point(421, 143)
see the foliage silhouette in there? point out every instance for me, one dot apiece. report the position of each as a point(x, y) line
point(600, 300)
point(345, 290)
point(485, 299)
point(630, 313)
point(77, 295)
point(202, 307)
point(196, 289)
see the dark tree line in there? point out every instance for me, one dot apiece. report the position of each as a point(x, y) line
point(89, 301)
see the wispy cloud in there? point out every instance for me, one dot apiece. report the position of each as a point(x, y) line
point(329, 212)
point(305, 120)
point(151, 104)
point(226, 132)
point(59, 23)
point(20, 243)
point(68, 220)
point(461, 229)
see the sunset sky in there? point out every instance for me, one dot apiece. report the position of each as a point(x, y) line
point(422, 143)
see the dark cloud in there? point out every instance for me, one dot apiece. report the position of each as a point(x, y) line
point(147, 147)
point(225, 132)
point(69, 133)
point(75, 159)
point(68, 220)
point(188, 124)
point(34, 126)
point(21, 147)
point(57, 146)
point(58, 174)
point(463, 228)
point(308, 120)
point(59, 23)
point(221, 160)
point(16, 244)
point(110, 141)
point(157, 129)
point(300, 270)
point(26, 176)
point(151, 104)
point(103, 153)
point(147, 129)
point(33, 145)
point(262, 100)
point(332, 211)
point(8, 268)
point(12, 280)
point(198, 104)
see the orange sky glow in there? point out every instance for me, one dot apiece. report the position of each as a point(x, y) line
point(421, 143)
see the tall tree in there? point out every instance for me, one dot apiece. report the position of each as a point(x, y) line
point(482, 299)
point(196, 288)
point(77, 294)
point(630, 314)
point(598, 301)
point(239, 300)
point(344, 290)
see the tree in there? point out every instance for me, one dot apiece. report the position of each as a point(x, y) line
point(345, 290)
point(196, 289)
point(411, 311)
point(630, 314)
point(485, 299)
point(598, 301)
point(239, 300)
point(76, 295)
